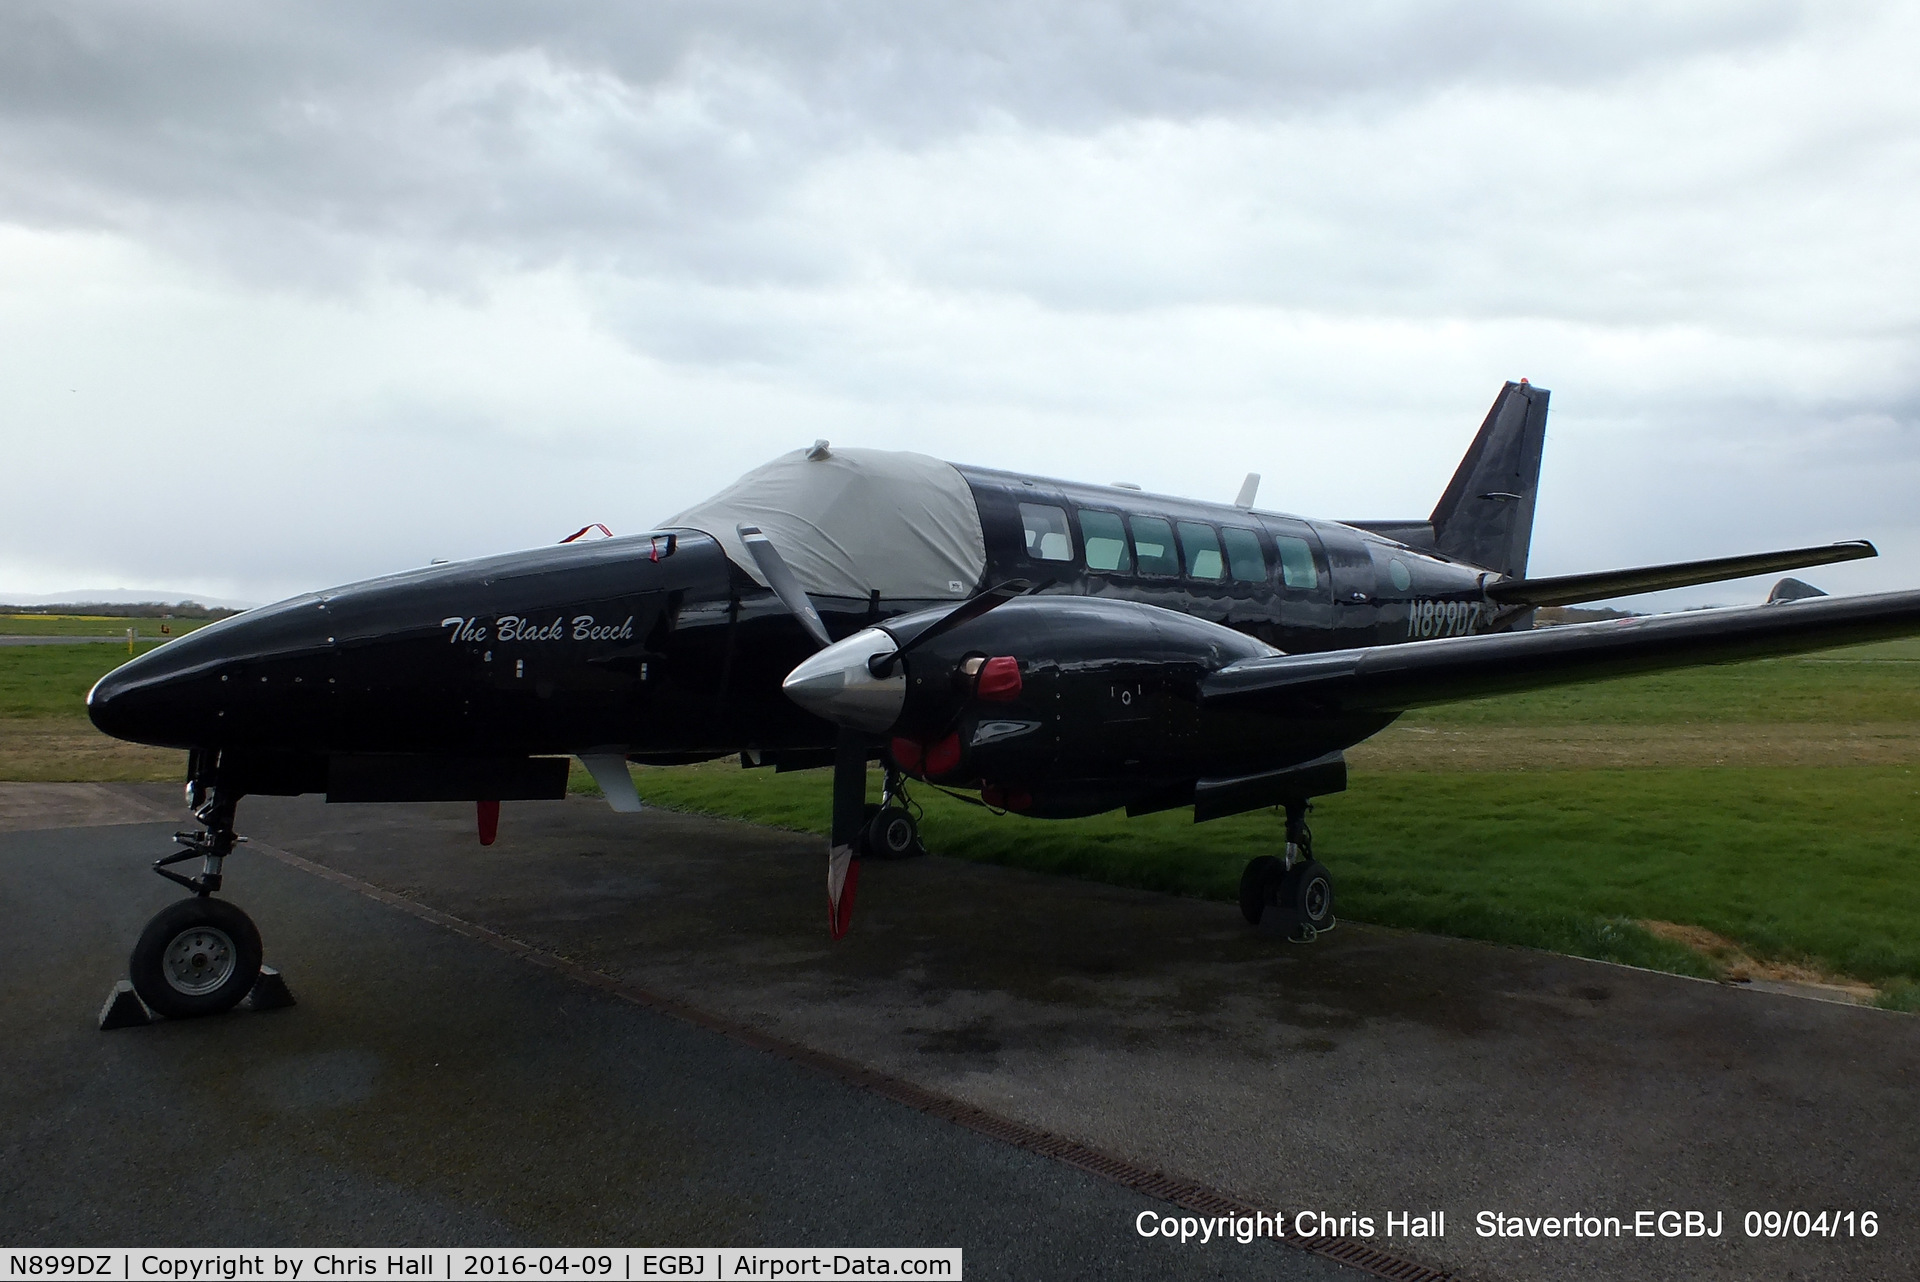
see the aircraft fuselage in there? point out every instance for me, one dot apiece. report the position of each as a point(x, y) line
point(668, 651)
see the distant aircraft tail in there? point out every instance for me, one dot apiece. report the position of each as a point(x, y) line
point(1485, 518)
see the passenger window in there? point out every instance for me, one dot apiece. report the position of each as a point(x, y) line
point(1244, 557)
point(1296, 562)
point(1153, 545)
point(1047, 537)
point(1202, 547)
point(1105, 540)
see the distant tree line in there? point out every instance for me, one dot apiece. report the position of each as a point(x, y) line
point(1549, 615)
point(139, 610)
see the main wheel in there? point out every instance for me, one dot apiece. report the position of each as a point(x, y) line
point(1307, 894)
point(1259, 886)
point(198, 956)
point(892, 834)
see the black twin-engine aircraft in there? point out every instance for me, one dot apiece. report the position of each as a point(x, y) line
point(1062, 649)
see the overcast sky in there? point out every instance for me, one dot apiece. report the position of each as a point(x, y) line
point(296, 294)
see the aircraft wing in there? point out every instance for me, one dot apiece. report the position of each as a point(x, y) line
point(1416, 673)
point(1569, 589)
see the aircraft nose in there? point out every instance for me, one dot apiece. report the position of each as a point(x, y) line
point(179, 695)
point(144, 701)
point(836, 684)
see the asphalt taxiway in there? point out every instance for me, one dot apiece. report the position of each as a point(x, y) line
point(432, 1088)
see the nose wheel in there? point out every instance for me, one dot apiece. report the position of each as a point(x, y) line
point(198, 956)
point(892, 829)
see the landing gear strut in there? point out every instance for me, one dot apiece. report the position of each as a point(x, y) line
point(893, 829)
point(213, 843)
point(198, 956)
point(1294, 897)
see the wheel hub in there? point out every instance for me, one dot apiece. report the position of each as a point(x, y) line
point(1316, 898)
point(199, 960)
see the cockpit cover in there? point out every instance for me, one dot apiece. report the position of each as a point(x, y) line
point(854, 522)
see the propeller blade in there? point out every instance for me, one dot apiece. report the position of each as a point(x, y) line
point(972, 608)
point(784, 585)
point(849, 812)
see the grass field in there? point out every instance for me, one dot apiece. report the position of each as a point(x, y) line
point(1763, 816)
point(1814, 866)
point(45, 736)
point(1870, 683)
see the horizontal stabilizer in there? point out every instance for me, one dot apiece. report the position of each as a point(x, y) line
point(1570, 589)
point(1418, 673)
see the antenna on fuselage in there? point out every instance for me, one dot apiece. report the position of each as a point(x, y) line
point(1248, 488)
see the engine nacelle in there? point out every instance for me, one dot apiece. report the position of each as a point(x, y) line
point(1051, 705)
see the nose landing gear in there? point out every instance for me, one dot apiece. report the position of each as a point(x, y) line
point(1292, 898)
point(199, 956)
point(892, 828)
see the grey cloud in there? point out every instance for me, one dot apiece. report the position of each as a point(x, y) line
point(627, 134)
point(1000, 231)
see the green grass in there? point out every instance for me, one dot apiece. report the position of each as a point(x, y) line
point(39, 681)
point(1901, 995)
point(45, 736)
point(1819, 865)
point(1870, 683)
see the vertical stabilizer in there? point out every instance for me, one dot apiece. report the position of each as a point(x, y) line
point(1485, 518)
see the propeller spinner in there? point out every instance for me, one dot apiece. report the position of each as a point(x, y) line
point(857, 684)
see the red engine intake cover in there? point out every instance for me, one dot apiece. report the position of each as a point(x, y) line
point(943, 758)
point(906, 755)
point(999, 680)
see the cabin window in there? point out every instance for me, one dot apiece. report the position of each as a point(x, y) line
point(1296, 562)
point(1047, 537)
point(1244, 557)
point(1398, 572)
point(1105, 540)
point(1153, 546)
point(1202, 547)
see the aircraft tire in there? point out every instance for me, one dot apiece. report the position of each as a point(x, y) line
point(197, 956)
point(892, 834)
point(1259, 887)
point(1307, 894)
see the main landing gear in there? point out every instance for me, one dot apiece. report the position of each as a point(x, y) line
point(892, 829)
point(199, 956)
point(1291, 897)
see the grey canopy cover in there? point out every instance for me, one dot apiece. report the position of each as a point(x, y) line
point(854, 522)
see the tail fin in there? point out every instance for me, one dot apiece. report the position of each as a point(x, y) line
point(1485, 518)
